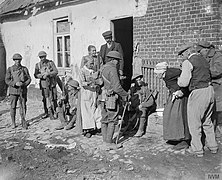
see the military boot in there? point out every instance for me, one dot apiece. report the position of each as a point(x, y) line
point(61, 116)
point(109, 138)
point(218, 131)
point(45, 115)
point(51, 116)
point(104, 131)
point(140, 131)
point(71, 123)
point(22, 115)
point(61, 126)
point(24, 124)
point(12, 113)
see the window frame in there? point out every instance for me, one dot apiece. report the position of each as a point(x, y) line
point(55, 43)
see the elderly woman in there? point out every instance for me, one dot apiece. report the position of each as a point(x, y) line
point(175, 126)
point(91, 113)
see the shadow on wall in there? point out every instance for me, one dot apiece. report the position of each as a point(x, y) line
point(3, 89)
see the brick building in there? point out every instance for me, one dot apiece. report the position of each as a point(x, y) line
point(150, 31)
point(169, 23)
point(166, 25)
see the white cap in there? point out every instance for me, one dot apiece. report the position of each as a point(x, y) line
point(160, 67)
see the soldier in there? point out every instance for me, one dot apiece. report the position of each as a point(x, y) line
point(214, 57)
point(18, 78)
point(46, 71)
point(142, 101)
point(114, 93)
point(196, 75)
point(67, 105)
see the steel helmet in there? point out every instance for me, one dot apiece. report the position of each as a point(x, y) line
point(17, 56)
point(114, 54)
point(42, 53)
point(73, 83)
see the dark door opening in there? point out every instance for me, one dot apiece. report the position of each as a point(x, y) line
point(123, 33)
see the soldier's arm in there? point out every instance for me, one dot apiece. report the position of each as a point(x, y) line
point(216, 67)
point(37, 73)
point(28, 81)
point(148, 101)
point(8, 78)
point(54, 71)
point(115, 83)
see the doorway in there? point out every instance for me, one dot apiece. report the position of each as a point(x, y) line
point(123, 34)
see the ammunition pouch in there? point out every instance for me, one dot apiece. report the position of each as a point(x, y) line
point(111, 101)
point(49, 83)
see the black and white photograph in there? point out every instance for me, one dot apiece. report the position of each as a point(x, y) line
point(110, 89)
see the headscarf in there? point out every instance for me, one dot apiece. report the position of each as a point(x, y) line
point(160, 68)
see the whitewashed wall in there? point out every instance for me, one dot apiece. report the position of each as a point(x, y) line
point(89, 21)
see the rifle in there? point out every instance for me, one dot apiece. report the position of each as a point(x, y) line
point(24, 123)
point(121, 122)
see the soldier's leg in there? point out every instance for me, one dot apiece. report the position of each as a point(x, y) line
point(54, 102)
point(71, 122)
point(49, 102)
point(142, 122)
point(104, 122)
point(45, 115)
point(104, 127)
point(61, 116)
point(13, 102)
point(110, 132)
point(112, 119)
point(23, 109)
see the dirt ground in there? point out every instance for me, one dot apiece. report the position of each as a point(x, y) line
point(43, 153)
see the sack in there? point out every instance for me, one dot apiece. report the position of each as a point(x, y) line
point(111, 102)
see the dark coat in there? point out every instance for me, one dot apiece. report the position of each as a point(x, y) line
point(175, 125)
point(111, 79)
point(49, 66)
point(215, 60)
point(16, 74)
point(115, 47)
point(141, 96)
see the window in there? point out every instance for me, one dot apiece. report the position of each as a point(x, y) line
point(62, 43)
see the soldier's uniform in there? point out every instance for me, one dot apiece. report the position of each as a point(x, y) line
point(142, 101)
point(67, 105)
point(114, 92)
point(18, 78)
point(47, 72)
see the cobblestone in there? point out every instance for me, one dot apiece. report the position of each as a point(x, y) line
point(134, 150)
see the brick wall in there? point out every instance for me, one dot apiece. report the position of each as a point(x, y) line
point(170, 23)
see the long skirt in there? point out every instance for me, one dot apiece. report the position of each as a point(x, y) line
point(175, 124)
point(91, 115)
